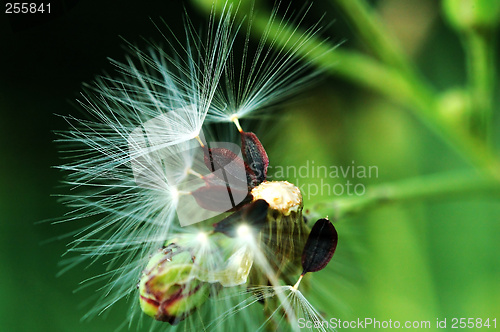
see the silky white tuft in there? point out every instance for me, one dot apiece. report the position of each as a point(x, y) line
point(135, 160)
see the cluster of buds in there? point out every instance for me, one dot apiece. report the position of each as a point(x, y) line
point(168, 290)
point(180, 277)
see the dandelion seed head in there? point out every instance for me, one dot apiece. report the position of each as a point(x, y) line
point(141, 156)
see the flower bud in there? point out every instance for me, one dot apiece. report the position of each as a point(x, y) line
point(472, 14)
point(168, 290)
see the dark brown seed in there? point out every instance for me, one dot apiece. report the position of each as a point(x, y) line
point(320, 246)
point(253, 214)
point(255, 156)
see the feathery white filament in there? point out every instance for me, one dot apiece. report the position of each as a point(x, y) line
point(130, 160)
point(136, 159)
point(251, 84)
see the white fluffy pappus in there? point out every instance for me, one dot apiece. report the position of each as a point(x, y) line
point(256, 79)
point(292, 301)
point(129, 161)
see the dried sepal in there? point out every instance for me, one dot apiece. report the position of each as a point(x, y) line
point(320, 246)
point(255, 156)
point(168, 291)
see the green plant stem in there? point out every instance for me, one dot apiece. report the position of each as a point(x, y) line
point(401, 86)
point(479, 46)
point(398, 86)
point(372, 31)
point(385, 46)
point(473, 142)
point(438, 186)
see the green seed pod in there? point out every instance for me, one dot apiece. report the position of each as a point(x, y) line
point(472, 14)
point(168, 289)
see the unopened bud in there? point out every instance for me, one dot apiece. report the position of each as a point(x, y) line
point(169, 291)
point(472, 14)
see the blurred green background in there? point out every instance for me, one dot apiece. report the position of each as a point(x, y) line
point(419, 260)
